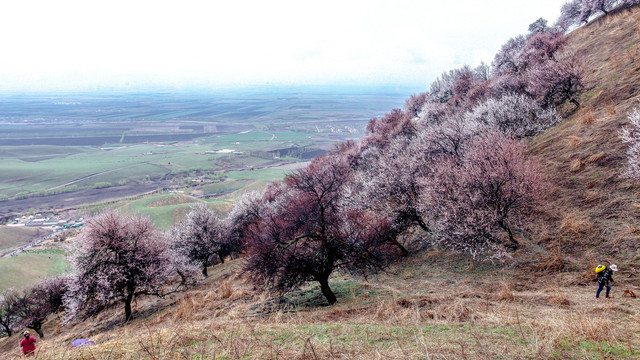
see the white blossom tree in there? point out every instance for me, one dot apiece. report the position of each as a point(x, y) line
point(631, 136)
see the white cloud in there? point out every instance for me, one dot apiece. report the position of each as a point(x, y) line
point(79, 43)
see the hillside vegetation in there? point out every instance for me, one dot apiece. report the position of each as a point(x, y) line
point(526, 291)
point(595, 214)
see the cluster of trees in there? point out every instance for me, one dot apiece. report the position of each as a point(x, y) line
point(452, 164)
point(576, 12)
point(29, 308)
point(118, 258)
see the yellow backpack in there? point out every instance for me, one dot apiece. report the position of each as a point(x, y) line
point(600, 268)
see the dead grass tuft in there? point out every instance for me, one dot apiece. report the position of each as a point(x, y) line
point(506, 291)
point(386, 310)
point(575, 140)
point(586, 115)
point(457, 311)
point(185, 309)
point(559, 299)
point(225, 290)
point(596, 157)
point(611, 108)
point(572, 224)
point(632, 229)
point(596, 327)
point(576, 165)
point(592, 195)
point(552, 264)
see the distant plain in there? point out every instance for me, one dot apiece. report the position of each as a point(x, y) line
point(121, 144)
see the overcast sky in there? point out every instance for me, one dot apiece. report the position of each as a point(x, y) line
point(66, 45)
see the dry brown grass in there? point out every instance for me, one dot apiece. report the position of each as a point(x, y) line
point(583, 156)
point(456, 311)
point(552, 263)
point(574, 224)
point(575, 140)
point(590, 326)
point(596, 157)
point(506, 291)
point(592, 195)
point(586, 115)
point(576, 165)
point(499, 322)
point(611, 108)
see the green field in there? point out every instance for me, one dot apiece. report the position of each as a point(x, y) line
point(132, 163)
point(163, 209)
point(30, 267)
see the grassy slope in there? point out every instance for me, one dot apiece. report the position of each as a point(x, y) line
point(435, 306)
point(595, 212)
point(426, 308)
point(30, 267)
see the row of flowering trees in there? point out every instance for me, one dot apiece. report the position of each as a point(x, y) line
point(118, 258)
point(450, 169)
point(576, 12)
point(452, 164)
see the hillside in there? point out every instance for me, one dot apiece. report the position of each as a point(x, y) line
point(537, 304)
point(595, 213)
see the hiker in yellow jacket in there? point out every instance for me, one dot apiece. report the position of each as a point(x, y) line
point(605, 278)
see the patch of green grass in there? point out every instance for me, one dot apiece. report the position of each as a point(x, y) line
point(346, 290)
point(226, 186)
point(607, 349)
point(30, 267)
point(164, 210)
point(258, 174)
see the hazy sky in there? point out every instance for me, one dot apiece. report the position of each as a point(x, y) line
point(83, 44)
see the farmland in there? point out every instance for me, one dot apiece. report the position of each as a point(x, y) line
point(66, 150)
point(11, 237)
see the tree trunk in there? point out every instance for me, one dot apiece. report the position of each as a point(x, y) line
point(205, 272)
point(38, 329)
point(326, 291)
point(221, 259)
point(8, 330)
point(127, 306)
point(513, 243)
